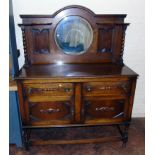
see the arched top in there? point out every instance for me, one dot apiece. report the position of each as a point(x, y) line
point(77, 10)
point(78, 7)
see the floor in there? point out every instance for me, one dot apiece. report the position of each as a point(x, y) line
point(135, 145)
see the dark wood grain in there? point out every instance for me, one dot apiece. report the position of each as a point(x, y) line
point(21, 101)
point(72, 71)
point(131, 101)
point(78, 141)
point(78, 103)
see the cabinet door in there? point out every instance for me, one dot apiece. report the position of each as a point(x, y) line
point(101, 110)
point(49, 113)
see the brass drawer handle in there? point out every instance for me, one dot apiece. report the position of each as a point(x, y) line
point(89, 88)
point(104, 109)
point(49, 111)
point(40, 90)
point(106, 87)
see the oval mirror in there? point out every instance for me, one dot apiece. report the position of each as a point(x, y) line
point(73, 35)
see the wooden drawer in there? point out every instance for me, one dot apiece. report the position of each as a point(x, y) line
point(50, 90)
point(102, 110)
point(49, 113)
point(106, 88)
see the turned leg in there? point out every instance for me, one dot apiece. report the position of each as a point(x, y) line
point(26, 137)
point(124, 133)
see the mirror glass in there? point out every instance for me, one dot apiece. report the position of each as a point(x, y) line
point(73, 35)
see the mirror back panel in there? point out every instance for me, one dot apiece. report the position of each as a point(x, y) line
point(73, 34)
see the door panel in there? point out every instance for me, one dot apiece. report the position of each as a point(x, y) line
point(104, 110)
point(50, 113)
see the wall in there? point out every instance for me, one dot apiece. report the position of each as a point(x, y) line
point(134, 51)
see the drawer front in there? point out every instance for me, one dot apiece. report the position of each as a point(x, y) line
point(104, 110)
point(48, 89)
point(106, 88)
point(50, 113)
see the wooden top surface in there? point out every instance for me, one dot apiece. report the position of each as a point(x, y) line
point(54, 71)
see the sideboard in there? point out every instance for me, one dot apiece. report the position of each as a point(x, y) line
point(74, 74)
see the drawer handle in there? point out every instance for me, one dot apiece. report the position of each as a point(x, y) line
point(106, 87)
point(104, 109)
point(40, 90)
point(49, 111)
point(67, 89)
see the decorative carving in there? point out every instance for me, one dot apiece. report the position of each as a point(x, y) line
point(40, 47)
point(124, 26)
point(42, 90)
point(24, 46)
point(105, 34)
point(125, 86)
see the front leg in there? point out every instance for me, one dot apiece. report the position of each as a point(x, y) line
point(26, 137)
point(125, 135)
